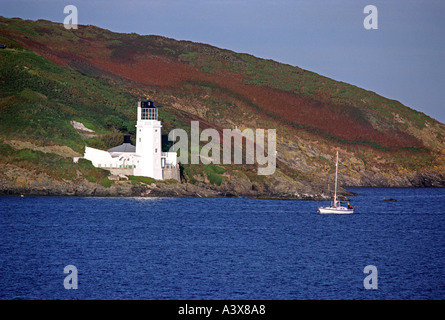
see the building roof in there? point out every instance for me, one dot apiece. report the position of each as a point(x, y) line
point(124, 147)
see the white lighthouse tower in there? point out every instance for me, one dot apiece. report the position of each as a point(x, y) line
point(148, 141)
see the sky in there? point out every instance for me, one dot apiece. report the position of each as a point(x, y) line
point(403, 59)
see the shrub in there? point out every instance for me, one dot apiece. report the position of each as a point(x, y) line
point(28, 155)
point(215, 178)
point(146, 180)
point(91, 173)
point(213, 173)
point(106, 182)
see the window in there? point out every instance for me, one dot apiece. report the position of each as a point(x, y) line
point(156, 150)
point(139, 139)
point(149, 114)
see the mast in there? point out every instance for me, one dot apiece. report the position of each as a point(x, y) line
point(336, 173)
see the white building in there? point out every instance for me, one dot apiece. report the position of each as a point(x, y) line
point(146, 158)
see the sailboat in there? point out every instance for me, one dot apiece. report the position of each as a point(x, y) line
point(336, 206)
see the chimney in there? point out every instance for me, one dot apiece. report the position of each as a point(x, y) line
point(127, 139)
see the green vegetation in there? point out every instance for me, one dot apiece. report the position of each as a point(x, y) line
point(55, 166)
point(189, 57)
point(214, 173)
point(190, 173)
point(106, 140)
point(194, 173)
point(146, 180)
point(106, 182)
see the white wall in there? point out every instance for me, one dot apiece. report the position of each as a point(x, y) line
point(170, 158)
point(99, 158)
point(103, 159)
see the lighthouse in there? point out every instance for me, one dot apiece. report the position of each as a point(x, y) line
point(148, 141)
point(146, 159)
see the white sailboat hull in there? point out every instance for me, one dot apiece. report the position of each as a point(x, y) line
point(336, 207)
point(335, 210)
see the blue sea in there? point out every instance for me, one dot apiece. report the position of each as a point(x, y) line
point(223, 248)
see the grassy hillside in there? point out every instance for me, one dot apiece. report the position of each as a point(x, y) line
point(51, 76)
